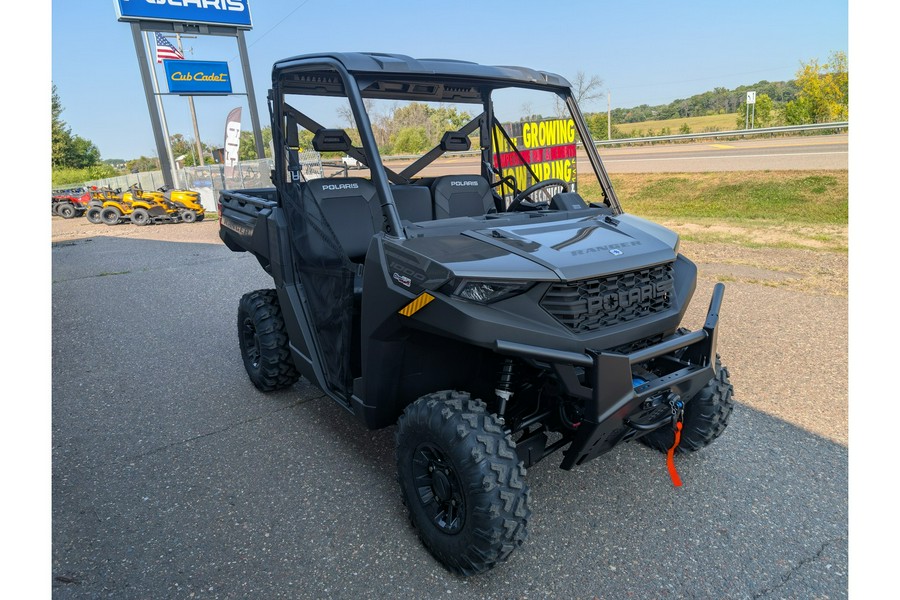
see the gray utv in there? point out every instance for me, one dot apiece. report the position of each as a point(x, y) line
point(493, 310)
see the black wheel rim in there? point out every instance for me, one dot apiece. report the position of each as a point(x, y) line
point(439, 489)
point(251, 342)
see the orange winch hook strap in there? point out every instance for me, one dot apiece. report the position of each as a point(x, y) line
point(670, 457)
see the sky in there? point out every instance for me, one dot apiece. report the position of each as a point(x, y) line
point(646, 52)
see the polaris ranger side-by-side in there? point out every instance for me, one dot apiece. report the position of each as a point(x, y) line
point(496, 314)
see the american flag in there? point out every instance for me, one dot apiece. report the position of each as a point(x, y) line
point(165, 50)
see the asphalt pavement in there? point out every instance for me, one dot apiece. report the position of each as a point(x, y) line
point(173, 477)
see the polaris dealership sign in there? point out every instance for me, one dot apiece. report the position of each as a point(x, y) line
point(198, 77)
point(235, 13)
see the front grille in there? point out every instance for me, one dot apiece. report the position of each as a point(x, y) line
point(591, 304)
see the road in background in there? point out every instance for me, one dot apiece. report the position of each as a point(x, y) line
point(173, 477)
point(821, 152)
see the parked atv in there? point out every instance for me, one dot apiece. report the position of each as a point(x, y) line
point(99, 196)
point(69, 204)
point(496, 316)
point(139, 207)
point(186, 202)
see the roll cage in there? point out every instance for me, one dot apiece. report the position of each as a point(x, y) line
point(359, 76)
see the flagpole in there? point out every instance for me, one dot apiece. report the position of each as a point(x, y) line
point(193, 112)
point(162, 113)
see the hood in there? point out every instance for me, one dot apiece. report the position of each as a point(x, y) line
point(568, 249)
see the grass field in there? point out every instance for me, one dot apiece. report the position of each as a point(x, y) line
point(781, 209)
point(726, 122)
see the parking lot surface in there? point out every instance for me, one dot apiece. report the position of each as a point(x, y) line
point(173, 477)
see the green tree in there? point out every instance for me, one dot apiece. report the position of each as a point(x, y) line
point(141, 164)
point(247, 150)
point(59, 132)
point(824, 94)
point(81, 153)
point(68, 150)
point(410, 140)
point(598, 126)
point(685, 128)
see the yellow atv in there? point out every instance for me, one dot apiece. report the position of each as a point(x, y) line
point(139, 207)
point(187, 202)
point(99, 196)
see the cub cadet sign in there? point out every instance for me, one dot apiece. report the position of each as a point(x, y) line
point(547, 146)
point(197, 77)
point(212, 12)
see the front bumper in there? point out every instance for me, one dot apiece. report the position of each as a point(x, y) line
point(611, 397)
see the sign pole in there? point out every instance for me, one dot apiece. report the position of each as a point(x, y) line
point(751, 99)
point(162, 145)
point(251, 96)
point(608, 115)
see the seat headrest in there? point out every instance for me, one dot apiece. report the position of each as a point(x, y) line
point(331, 140)
point(453, 141)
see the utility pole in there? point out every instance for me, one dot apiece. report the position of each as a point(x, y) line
point(193, 112)
point(608, 115)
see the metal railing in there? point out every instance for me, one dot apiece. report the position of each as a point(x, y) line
point(732, 133)
point(210, 179)
point(666, 138)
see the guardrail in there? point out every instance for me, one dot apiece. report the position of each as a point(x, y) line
point(733, 133)
point(674, 137)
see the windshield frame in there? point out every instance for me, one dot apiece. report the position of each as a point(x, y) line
point(328, 75)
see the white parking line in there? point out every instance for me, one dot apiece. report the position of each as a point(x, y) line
point(725, 156)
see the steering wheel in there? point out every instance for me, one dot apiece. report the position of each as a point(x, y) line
point(527, 192)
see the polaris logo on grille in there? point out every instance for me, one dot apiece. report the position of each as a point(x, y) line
point(341, 186)
point(463, 183)
point(643, 294)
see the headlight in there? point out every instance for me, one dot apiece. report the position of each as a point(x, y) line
point(485, 292)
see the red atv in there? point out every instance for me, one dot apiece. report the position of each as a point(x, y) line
point(70, 203)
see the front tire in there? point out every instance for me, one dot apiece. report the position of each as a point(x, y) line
point(705, 416)
point(264, 342)
point(188, 216)
point(462, 482)
point(140, 216)
point(93, 215)
point(110, 215)
point(66, 211)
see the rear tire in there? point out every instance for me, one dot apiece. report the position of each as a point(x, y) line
point(66, 211)
point(264, 342)
point(705, 416)
point(462, 482)
point(110, 215)
point(140, 216)
point(93, 215)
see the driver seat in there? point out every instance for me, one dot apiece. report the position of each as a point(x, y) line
point(462, 196)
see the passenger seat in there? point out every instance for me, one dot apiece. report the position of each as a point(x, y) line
point(413, 202)
point(461, 196)
point(351, 207)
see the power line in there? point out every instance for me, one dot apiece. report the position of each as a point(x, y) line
point(282, 20)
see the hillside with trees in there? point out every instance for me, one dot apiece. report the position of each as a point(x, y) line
point(819, 94)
